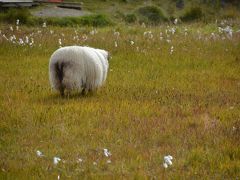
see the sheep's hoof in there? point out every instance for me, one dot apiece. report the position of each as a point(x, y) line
point(83, 92)
point(62, 93)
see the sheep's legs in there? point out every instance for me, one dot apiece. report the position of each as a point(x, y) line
point(86, 91)
point(62, 91)
point(83, 91)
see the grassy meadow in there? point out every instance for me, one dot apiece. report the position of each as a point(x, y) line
point(171, 90)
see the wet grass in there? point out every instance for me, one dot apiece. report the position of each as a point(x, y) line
point(186, 104)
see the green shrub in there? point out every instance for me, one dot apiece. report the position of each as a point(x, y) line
point(13, 14)
point(152, 14)
point(130, 18)
point(95, 20)
point(194, 13)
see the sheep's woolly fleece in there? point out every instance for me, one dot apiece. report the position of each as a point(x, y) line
point(76, 67)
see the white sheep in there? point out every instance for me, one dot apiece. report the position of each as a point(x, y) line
point(78, 68)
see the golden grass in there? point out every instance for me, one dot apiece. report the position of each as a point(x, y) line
point(186, 104)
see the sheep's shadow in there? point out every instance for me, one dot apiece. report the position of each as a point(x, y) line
point(56, 98)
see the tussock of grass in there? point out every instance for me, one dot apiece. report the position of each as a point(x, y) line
point(154, 103)
point(152, 14)
point(193, 14)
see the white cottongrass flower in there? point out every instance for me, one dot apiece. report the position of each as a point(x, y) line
point(165, 165)
point(166, 31)
point(39, 153)
point(94, 31)
point(148, 34)
point(116, 33)
point(185, 31)
point(132, 42)
point(171, 50)
point(21, 41)
point(109, 161)
point(32, 42)
point(26, 40)
point(94, 163)
point(11, 28)
point(5, 37)
point(115, 44)
point(17, 22)
point(145, 33)
point(76, 37)
point(106, 152)
point(11, 38)
point(44, 25)
point(79, 160)
point(58, 177)
point(60, 42)
point(56, 160)
point(167, 161)
point(175, 21)
point(51, 31)
point(168, 40)
point(228, 30)
point(220, 30)
point(84, 37)
point(172, 30)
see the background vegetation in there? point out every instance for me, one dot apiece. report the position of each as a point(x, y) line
point(106, 12)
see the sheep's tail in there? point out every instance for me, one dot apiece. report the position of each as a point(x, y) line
point(59, 73)
point(56, 76)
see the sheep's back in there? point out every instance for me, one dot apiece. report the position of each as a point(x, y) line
point(82, 67)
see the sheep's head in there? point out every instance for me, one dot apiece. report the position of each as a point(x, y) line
point(106, 54)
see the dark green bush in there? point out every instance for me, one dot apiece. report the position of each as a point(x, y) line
point(194, 13)
point(12, 15)
point(130, 18)
point(152, 14)
point(92, 20)
point(95, 20)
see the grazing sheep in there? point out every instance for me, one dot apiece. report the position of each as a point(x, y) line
point(78, 68)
